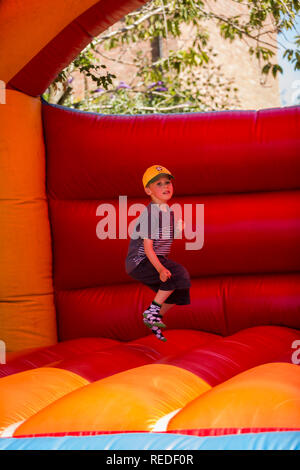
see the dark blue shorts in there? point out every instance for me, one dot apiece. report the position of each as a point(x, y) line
point(180, 280)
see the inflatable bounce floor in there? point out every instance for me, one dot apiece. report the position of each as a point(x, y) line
point(82, 371)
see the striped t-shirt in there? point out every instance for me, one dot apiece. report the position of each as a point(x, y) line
point(153, 223)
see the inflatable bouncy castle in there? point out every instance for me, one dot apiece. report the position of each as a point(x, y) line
point(82, 371)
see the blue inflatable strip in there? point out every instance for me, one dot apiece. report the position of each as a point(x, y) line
point(281, 440)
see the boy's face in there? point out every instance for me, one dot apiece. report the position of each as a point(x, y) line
point(161, 190)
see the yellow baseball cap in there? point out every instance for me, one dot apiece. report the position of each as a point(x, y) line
point(152, 173)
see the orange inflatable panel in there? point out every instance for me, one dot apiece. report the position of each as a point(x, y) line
point(27, 313)
point(266, 396)
point(133, 400)
point(24, 394)
point(38, 22)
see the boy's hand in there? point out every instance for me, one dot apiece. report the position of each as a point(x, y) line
point(164, 274)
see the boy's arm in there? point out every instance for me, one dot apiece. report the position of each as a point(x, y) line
point(148, 247)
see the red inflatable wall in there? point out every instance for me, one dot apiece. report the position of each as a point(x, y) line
point(243, 166)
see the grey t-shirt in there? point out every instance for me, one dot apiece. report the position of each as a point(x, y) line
point(155, 224)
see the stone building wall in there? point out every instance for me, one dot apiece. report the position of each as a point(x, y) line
point(234, 58)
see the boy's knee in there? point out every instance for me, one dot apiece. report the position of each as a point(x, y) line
point(184, 278)
point(185, 274)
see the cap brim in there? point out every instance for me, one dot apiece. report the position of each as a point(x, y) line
point(158, 176)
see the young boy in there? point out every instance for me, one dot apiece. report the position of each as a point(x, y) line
point(147, 257)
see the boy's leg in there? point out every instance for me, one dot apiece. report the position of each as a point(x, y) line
point(165, 308)
point(152, 315)
point(162, 295)
point(157, 331)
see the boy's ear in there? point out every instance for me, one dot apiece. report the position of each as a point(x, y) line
point(147, 191)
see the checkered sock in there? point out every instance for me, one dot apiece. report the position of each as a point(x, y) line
point(152, 316)
point(158, 333)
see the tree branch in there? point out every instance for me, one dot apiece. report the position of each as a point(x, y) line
point(115, 60)
point(124, 29)
point(234, 26)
